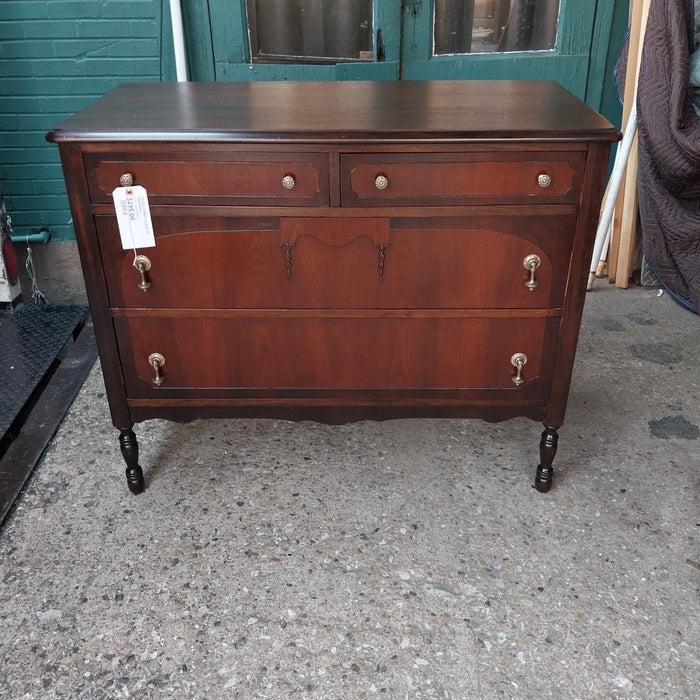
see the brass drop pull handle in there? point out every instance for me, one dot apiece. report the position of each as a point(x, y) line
point(544, 180)
point(519, 360)
point(288, 182)
point(143, 264)
point(126, 180)
point(532, 263)
point(381, 182)
point(156, 360)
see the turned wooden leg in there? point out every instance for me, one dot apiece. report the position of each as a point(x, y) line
point(130, 452)
point(548, 449)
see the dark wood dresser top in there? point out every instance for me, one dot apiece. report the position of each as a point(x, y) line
point(472, 110)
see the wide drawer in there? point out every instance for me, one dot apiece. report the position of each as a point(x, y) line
point(364, 262)
point(204, 351)
point(267, 179)
point(463, 178)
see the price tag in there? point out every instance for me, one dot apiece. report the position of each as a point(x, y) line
point(134, 217)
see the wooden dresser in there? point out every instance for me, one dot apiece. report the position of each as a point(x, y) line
point(338, 251)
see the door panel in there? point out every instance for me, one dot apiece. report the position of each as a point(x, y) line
point(232, 51)
point(219, 47)
point(567, 63)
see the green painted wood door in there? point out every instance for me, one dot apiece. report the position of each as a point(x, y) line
point(568, 62)
point(219, 48)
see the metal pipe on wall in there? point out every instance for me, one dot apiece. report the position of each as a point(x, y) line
point(618, 172)
point(178, 41)
point(43, 236)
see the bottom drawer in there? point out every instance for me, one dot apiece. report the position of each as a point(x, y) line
point(294, 352)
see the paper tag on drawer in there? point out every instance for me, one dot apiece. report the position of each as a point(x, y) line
point(134, 217)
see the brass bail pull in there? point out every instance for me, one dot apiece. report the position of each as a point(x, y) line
point(143, 264)
point(519, 360)
point(532, 263)
point(156, 360)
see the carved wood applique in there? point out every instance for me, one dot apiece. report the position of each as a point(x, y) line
point(338, 233)
point(287, 249)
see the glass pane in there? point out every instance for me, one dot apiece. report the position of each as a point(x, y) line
point(484, 26)
point(310, 31)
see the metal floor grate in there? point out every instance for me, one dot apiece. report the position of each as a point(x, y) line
point(31, 340)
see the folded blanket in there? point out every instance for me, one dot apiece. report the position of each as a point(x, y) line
point(669, 152)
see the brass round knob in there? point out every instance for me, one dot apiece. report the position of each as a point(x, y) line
point(381, 182)
point(544, 180)
point(288, 182)
point(126, 180)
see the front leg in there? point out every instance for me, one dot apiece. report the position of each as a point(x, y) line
point(548, 449)
point(130, 452)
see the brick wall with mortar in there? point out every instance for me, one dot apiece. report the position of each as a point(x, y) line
point(56, 56)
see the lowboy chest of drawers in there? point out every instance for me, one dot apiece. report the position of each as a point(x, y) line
point(338, 251)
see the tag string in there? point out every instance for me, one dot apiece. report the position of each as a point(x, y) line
point(130, 207)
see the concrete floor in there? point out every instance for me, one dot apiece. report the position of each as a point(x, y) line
point(406, 559)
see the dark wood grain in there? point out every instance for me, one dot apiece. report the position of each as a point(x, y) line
point(332, 351)
point(205, 262)
point(426, 110)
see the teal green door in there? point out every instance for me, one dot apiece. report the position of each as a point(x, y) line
point(568, 61)
point(404, 43)
point(220, 40)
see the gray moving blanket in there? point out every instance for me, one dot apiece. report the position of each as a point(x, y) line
point(669, 152)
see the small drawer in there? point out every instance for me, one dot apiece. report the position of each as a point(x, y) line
point(259, 179)
point(464, 178)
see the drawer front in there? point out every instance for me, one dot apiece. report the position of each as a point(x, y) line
point(295, 179)
point(362, 351)
point(220, 262)
point(453, 179)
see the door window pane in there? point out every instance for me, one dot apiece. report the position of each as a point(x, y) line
point(310, 31)
point(484, 26)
